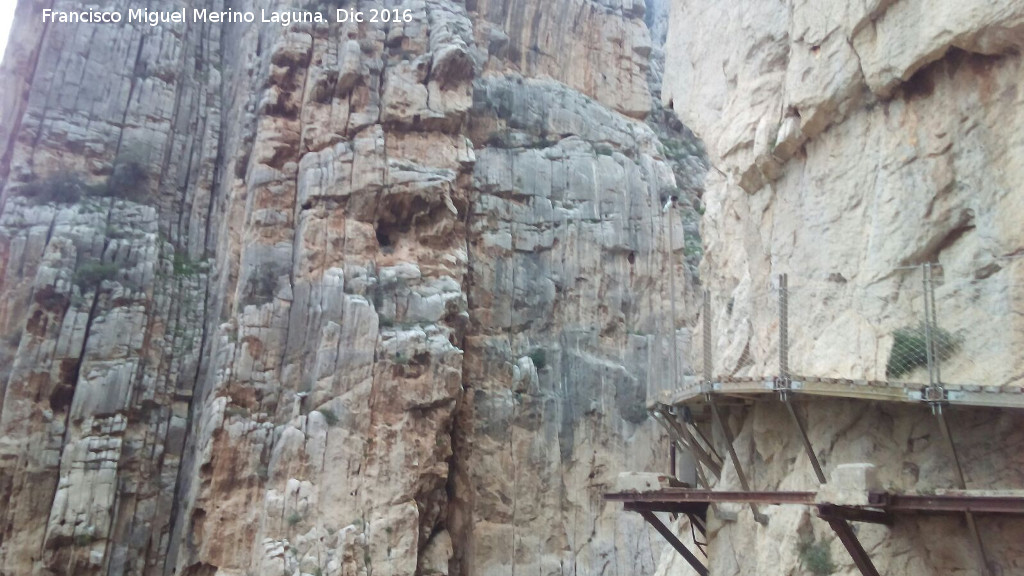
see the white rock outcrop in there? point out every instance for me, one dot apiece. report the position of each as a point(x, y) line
point(853, 142)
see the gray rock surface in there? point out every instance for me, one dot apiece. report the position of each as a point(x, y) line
point(333, 299)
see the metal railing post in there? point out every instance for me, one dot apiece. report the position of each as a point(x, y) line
point(672, 295)
point(707, 342)
point(936, 353)
point(926, 273)
point(784, 329)
point(936, 398)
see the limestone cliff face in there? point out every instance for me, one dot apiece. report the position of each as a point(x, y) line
point(853, 142)
point(332, 299)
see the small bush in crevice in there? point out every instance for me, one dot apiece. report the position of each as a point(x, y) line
point(539, 356)
point(91, 275)
point(128, 182)
point(261, 286)
point(116, 233)
point(85, 538)
point(909, 349)
point(14, 339)
point(59, 188)
point(294, 518)
point(234, 411)
point(185, 266)
point(816, 557)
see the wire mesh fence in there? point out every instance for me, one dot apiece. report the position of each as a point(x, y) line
point(913, 327)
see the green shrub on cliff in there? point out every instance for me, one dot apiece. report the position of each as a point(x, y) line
point(58, 189)
point(91, 275)
point(816, 557)
point(128, 182)
point(909, 349)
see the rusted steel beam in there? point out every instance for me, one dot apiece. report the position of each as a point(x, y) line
point(669, 536)
point(696, 508)
point(880, 509)
point(937, 503)
point(994, 504)
point(854, 514)
point(690, 495)
point(849, 539)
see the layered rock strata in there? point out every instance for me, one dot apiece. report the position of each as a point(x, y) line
point(332, 299)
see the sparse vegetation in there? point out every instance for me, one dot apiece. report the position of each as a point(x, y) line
point(185, 266)
point(262, 285)
point(909, 349)
point(539, 356)
point(60, 188)
point(693, 249)
point(115, 233)
point(236, 412)
point(85, 538)
point(294, 518)
point(128, 182)
point(329, 416)
point(678, 150)
point(91, 275)
point(816, 557)
point(14, 339)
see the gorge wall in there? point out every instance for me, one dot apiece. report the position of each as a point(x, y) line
point(334, 299)
point(852, 142)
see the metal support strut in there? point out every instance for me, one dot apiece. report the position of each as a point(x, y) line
point(785, 381)
point(936, 398)
point(716, 415)
point(723, 427)
point(670, 536)
point(849, 539)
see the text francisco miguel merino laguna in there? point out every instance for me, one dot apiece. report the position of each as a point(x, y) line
point(284, 18)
